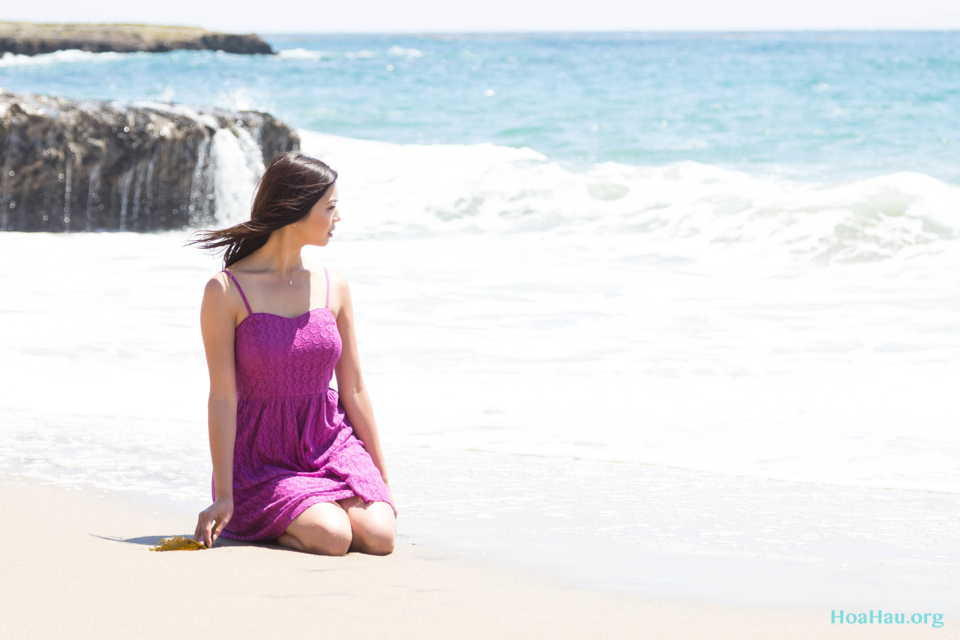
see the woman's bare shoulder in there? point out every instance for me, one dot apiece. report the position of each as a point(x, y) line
point(217, 296)
point(336, 278)
point(218, 284)
point(339, 291)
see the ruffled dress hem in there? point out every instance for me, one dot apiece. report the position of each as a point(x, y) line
point(279, 526)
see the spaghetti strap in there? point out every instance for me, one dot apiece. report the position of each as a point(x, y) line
point(326, 274)
point(240, 289)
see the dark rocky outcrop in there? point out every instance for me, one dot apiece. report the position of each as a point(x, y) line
point(30, 39)
point(85, 165)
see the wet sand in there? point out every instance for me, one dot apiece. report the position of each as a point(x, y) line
point(76, 564)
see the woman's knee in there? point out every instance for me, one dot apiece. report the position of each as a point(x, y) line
point(375, 532)
point(323, 529)
point(380, 541)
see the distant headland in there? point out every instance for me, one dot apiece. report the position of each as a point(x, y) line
point(27, 38)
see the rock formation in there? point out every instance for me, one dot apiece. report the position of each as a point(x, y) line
point(87, 165)
point(30, 39)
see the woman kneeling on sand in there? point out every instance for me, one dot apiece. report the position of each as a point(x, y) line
point(294, 460)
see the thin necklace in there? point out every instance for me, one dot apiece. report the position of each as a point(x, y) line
point(289, 280)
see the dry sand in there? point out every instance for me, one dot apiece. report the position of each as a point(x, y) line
point(75, 564)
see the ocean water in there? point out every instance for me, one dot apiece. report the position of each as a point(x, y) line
point(680, 292)
point(819, 105)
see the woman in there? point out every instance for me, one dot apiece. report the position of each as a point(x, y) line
point(293, 460)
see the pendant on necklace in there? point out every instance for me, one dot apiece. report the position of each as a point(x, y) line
point(291, 282)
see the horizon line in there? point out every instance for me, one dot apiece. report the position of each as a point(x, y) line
point(621, 31)
point(521, 32)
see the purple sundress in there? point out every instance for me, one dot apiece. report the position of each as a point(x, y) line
point(295, 446)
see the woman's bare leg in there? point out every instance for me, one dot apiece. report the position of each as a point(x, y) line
point(322, 528)
point(373, 524)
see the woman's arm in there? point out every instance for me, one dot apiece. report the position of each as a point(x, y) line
point(353, 393)
point(218, 324)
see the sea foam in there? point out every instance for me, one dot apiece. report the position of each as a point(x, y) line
point(415, 189)
point(9, 59)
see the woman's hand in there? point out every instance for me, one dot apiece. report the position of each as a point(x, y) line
point(222, 509)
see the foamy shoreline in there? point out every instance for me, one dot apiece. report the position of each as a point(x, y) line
point(82, 569)
point(555, 345)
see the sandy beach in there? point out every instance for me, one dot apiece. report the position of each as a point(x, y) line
point(76, 564)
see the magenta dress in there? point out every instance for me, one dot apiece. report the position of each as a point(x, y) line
point(295, 446)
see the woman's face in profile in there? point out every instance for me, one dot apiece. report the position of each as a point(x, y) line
point(322, 218)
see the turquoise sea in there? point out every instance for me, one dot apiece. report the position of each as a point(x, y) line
point(812, 105)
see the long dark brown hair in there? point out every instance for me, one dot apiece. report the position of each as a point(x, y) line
point(286, 192)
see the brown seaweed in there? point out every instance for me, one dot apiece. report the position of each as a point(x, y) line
point(179, 543)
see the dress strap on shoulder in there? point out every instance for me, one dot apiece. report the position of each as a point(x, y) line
point(240, 289)
point(326, 275)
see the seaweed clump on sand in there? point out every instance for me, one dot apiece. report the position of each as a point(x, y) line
point(177, 543)
point(180, 543)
